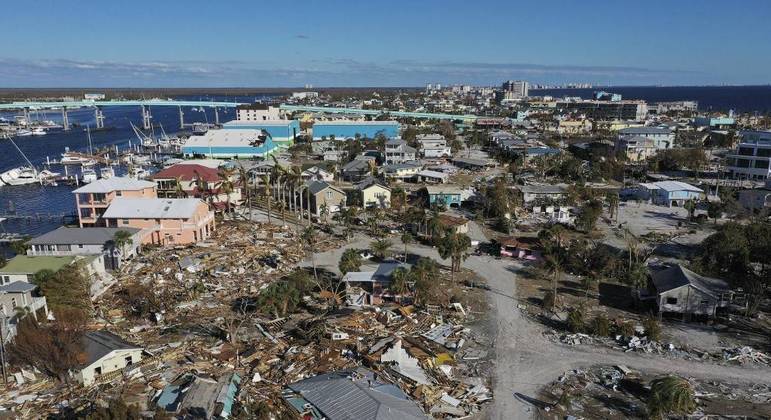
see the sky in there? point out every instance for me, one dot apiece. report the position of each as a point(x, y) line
point(249, 43)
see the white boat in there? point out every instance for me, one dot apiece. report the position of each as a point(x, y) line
point(106, 172)
point(38, 132)
point(26, 175)
point(23, 132)
point(74, 158)
point(88, 175)
point(137, 173)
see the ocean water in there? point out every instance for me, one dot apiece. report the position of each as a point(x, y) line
point(710, 98)
point(34, 209)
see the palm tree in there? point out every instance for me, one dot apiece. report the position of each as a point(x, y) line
point(243, 179)
point(407, 238)
point(121, 239)
point(226, 185)
point(203, 187)
point(612, 199)
point(349, 261)
point(454, 246)
point(348, 215)
point(398, 199)
point(179, 191)
point(424, 274)
point(324, 213)
point(690, 205)
point(400, 282)
point(670, 395)
point(381, 248)
point(553, 265)
point(266, 192)
point(310, 238)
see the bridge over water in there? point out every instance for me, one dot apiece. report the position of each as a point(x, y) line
point(145, 104)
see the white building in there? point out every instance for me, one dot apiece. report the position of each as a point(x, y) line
point(663, 138)
point(305, 95)
point(257, 112)
point(752, 158)
point(105, 353)
point(516, 89)
point(433, 146)
point(397, 151)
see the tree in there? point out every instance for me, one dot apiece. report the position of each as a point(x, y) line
point(424, 273)
point(589, 214)
point(310, 238)
point(454, 246)
point(179, 190)
point(407, 238)
point(348, 215)
point(202, 188)
point(613, 201)
point(66, 289)
point(324, 213)
point(400, 281)
point(587, 282)
point(350, 261)
point(226, 185)
point(381, 248)
point(279, 299)
point(714, 210)
point(53, 347)
point(670, 395)
point(266, 192)
point(726, 254)
point(121, 239)
point(690, 205)
point(398, 199)
point(244, 178)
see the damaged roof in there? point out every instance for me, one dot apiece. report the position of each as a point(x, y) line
point(678, 276)
point(356, 394)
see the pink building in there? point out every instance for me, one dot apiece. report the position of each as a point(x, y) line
point(93, 199)
point(523, 248)
point(163, 221)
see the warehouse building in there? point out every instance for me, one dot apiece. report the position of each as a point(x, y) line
point(230, 144)
point(282, 132)
point(346, 129)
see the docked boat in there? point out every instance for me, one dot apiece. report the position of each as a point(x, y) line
point(88, 175)
point(38, 132)
point(75, 158)
point(23, 132)
point(107, 172)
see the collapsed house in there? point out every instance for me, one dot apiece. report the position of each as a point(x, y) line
point(200, 396)
point(370, 287)
point(357, 394)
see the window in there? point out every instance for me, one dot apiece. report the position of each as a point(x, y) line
point(329, 195)
point(81, 245)
point(6, 279)
point(118, 193)
point(125, 221)
point(671, 301)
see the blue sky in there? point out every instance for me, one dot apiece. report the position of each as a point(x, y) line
point(140, 43)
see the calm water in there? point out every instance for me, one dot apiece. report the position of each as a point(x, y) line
point(44, 206)
point(716, 98)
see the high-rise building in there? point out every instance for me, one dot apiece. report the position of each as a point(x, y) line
point(752, 159)
point(517, 88)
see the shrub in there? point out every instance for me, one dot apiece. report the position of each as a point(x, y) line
point(601, 325)
point(549, 300)
point(576, 320)
point(625, 328)
point(652, 328)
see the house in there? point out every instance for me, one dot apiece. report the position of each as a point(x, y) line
point(452, 224)
point(541, 193)
point(397, 151)
point(447, 195)
point(432, 177)
point(374, 194)
point(756, 199)
point(265, 168)
point(669, 193)
point(472, 164)
point(433, 146)
point(191, 177)
point(523, 248)
point(104, 353)
point(163, 221)
point(23, 268)
point(200, 396)
point(663, 138)
point(401, 171)
point(636, 148)
point(370, 287)
point(359, 394)
point(324, 194)
point(14, 296)
point(93, 199)
point(315, 173)
point(87, 241)
point(358, 169)
point(680, 290)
